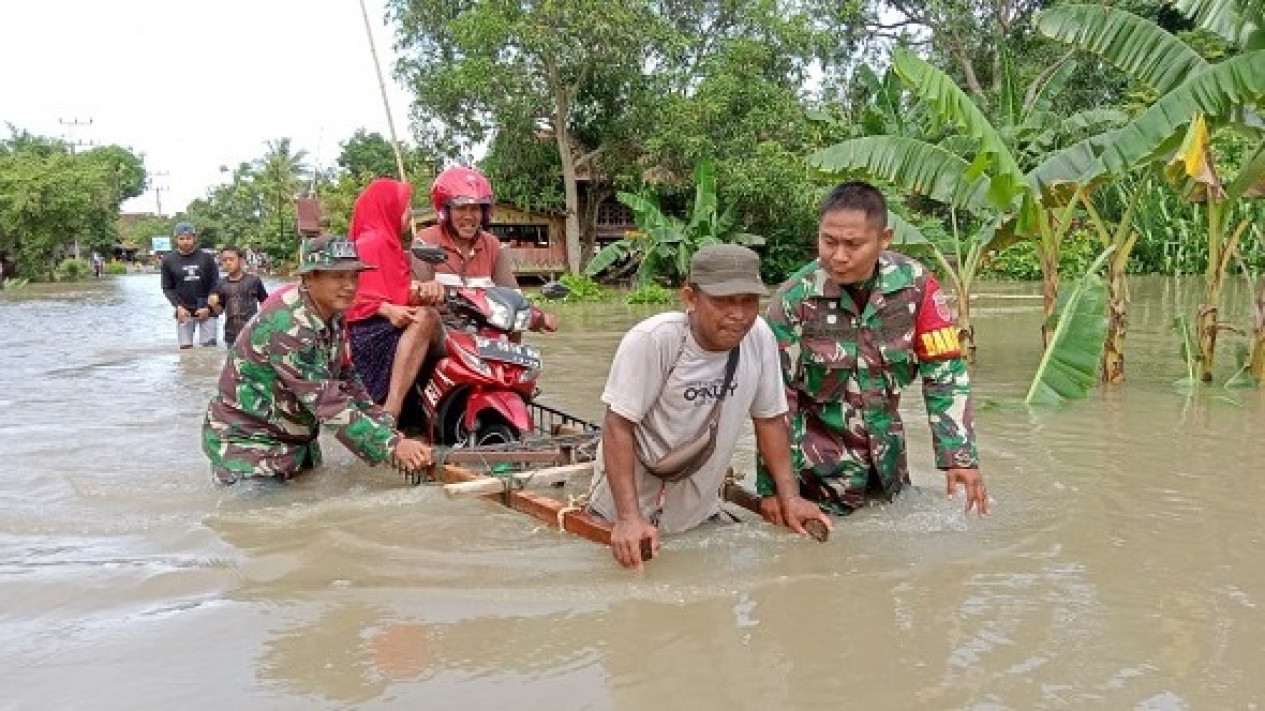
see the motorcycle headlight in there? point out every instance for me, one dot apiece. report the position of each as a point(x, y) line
point(528, 375)
point(500, 315)
point(522, 320)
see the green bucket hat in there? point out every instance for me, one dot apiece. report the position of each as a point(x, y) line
point(329, 253)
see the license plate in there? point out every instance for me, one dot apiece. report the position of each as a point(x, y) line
point(516, 353)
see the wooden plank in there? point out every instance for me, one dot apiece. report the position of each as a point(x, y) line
point(737, 494)
point(517, 480)
point(540, 507)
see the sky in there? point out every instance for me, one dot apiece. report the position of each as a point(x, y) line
point(193, 85)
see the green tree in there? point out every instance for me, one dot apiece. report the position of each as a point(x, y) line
point(52, 200)
point(367, 154)
point(279, 176)
point(472, 65)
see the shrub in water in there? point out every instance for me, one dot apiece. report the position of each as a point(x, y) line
point(72, 270)
point(650, 294)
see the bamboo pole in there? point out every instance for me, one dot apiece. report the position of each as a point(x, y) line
point(382, 87)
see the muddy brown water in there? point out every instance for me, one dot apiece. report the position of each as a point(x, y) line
point(1120, 569)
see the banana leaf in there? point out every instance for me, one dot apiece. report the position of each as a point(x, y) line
point(1005, 179)
point(904, 233)
point(1069, 367)
point(609, 256)
point(911, 164)
point(1242, 22)
point(1139, 47)
point(1218, 93)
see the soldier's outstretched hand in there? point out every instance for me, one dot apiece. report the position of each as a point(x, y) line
point(412, 455)
point(973, 482)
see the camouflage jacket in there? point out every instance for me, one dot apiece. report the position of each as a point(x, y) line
point(844, 368)
point(284, 378)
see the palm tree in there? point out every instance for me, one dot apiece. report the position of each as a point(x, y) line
point(281, 173)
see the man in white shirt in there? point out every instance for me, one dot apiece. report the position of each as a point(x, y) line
point(661, 402)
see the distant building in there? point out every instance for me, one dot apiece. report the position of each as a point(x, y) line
point(536, 240)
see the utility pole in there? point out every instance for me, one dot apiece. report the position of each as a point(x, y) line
point(69, 128)
point(158, 190)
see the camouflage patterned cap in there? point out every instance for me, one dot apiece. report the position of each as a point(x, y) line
point(329, 253)
point(726, 270)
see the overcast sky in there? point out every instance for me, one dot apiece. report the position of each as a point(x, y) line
point(193, 85)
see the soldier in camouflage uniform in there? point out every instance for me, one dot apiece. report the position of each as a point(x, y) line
point(854, 328)
point(285, 377)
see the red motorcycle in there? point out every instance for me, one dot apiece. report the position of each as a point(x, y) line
point(475, 391)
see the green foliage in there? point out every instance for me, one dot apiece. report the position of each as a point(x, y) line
point(115, 268)
point(72, 270)
point(368, 154)
point(650, 294)
point(1020, 262)
point(139, 233)
point(664, 244)
point(50, 197)
point(1069, 366)
point(582, 290)
point(1188, 350)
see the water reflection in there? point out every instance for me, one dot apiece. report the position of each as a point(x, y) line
point(1119, 570)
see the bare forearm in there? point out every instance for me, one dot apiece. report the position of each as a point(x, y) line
point(619, 463)
point(773, 440)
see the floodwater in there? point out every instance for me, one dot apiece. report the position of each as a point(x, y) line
point(1119, 570)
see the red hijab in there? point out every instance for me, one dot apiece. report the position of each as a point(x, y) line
point(375, 228)
point(380, 207)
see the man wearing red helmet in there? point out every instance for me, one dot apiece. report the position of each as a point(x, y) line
point(462, 198)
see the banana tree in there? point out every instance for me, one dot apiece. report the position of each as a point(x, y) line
point(1256, 362)
point(989, 185)
point(1193, 169)
point(1068, 368)
point(967, 254)
point(1173, 134)
point(663, 245)
point(1120, 239)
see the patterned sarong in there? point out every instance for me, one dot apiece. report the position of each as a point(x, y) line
point(373, 342)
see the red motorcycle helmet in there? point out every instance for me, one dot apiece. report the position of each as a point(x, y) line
point(460, 185)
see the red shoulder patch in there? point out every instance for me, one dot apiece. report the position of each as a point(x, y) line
point(935, 333)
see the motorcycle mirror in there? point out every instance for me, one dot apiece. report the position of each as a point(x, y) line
point(555, 290)
point(429, 253)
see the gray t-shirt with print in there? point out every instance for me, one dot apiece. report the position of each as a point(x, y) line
point(665, 420)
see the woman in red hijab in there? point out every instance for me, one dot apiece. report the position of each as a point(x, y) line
point(387, 321)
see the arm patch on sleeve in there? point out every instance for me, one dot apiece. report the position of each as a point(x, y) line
point(935, 334)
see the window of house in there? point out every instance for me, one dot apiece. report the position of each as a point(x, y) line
point(612, 213)
point(521, 235)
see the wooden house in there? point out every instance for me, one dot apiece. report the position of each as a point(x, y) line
point(536, 240)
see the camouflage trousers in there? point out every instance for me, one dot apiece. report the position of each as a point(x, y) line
point(308, 458)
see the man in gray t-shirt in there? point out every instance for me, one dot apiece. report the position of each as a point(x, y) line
point(661, 392)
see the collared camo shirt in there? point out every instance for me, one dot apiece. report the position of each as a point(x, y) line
point(845, 365)
point(283, 380)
